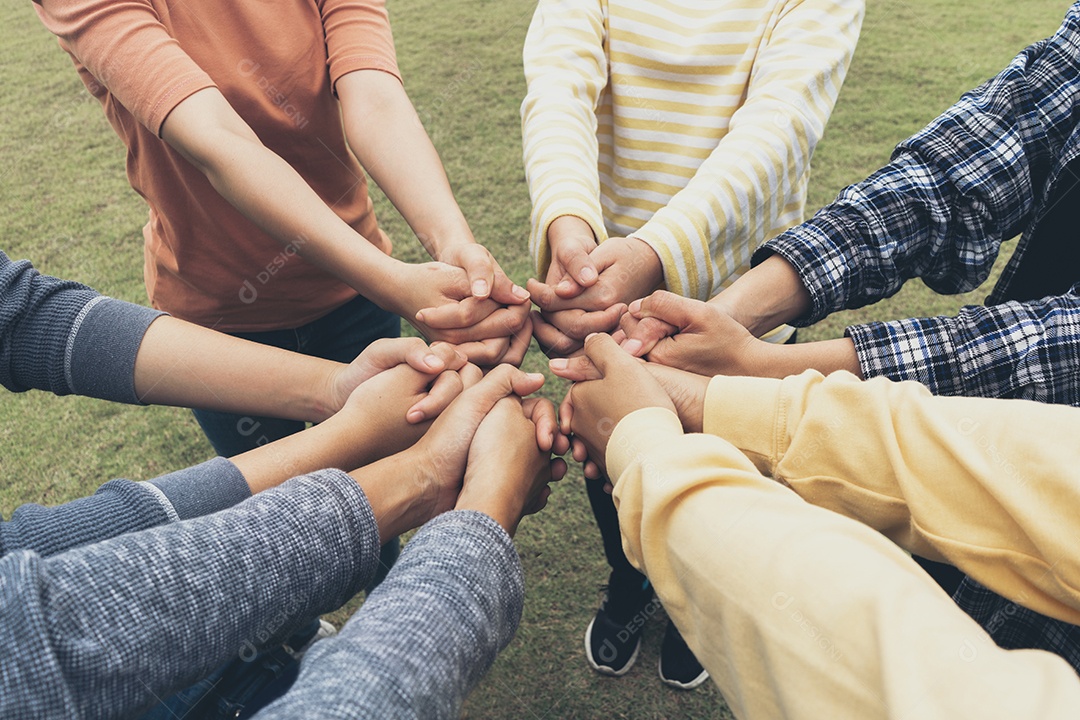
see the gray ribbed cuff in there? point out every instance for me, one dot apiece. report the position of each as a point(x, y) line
point(100, 357)
point(203, 489)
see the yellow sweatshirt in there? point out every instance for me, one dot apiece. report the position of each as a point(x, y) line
point(748, 533)
point(687, 124)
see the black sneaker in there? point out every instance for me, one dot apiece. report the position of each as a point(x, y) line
point(678, 667)
point(613, 638)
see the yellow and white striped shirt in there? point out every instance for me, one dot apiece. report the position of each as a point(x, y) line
point(686, 123)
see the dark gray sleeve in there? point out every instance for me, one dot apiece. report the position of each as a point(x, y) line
point(62, 337)
point(104, 630)
point(122, 506)
point(426, 635)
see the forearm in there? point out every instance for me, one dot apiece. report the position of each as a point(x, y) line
point(766, 297)
point(270, 193)
point(426, 636)
point(390, 142)
point(779, 361)
point(346, 441)
point(846, 652)
point(946, 478)
point(187, 365)
point(115, 625)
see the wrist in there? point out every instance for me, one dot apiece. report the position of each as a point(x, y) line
point(398, 504)
point(324, 400)
point(441, 244)
point(568, 226)
point(766, 297)
point(647, 265)
point(506, 512)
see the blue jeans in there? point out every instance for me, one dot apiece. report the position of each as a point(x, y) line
point(244, 685)
point(340, 335)
point(239, 688)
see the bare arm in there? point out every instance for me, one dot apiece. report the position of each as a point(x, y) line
point(206, 130)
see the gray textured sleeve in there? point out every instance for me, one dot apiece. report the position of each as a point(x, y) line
point(203, 489)
point(100, 359)
point(426, 635)
point(63, 337)
point(104, 630)
point(121, 506)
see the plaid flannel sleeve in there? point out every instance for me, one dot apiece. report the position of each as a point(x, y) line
point(940, 211)
point(1016, 350)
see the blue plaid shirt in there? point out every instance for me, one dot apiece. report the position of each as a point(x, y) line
point(977, 175)
point(981, 173)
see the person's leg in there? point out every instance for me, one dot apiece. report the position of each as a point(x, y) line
point(613, 637)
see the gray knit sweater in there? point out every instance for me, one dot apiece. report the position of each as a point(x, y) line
point(110, 602)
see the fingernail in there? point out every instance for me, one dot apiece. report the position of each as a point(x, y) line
point(480, 288)
point(535, 376)
point(520, 292)
point(635, 306)
point(559, 364)
point(588, 274)
point(420, 316)
point(633, 347)
point(415, 416)
point(433, 362)
point(565, 286)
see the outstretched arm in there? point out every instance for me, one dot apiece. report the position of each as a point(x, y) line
point(428, 634)
point(111, 627)
point(63, 337)
point(763, 585)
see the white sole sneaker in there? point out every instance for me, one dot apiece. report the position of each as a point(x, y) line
point(681, 685)
point(605, 669)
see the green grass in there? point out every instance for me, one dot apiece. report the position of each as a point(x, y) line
point(67, 206)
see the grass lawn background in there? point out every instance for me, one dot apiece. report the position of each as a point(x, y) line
point(67, 206)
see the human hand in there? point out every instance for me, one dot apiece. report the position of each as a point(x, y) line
point(571, 270)
point(440, 456)
point(618, 385)
point(510, 463)
point(386, 354)
point(707, 340)
point(397, 406)
point(628, 269)
point(485, 277)
point(686, 390)
point(436, 298)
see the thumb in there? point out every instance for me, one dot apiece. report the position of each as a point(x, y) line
point(479, 266)
point(580, 266)
point(606, 354)
point(667, 306)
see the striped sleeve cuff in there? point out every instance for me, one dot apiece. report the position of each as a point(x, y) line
point(100, 357)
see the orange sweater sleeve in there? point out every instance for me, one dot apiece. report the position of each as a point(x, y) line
point(125, 47)
point(358, 37)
